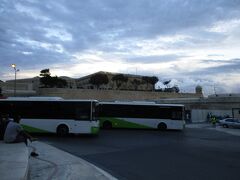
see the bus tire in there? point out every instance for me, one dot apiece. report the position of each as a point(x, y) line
point(162, 126)
point(62, 130)
point(107, 125)
point(225, 125)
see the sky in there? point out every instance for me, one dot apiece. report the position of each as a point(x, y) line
point(191, 42)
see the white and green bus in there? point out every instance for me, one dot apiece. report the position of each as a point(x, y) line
point(53, 115)
point(141, 115)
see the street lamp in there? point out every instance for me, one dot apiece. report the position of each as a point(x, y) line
point(15, 80)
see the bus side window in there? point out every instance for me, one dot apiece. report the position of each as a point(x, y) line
point(82, 113)
point(176, 115)
point(164, 113)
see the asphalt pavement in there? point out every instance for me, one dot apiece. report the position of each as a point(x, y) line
point(196, 153)
point(204, 125)
point(54, 164)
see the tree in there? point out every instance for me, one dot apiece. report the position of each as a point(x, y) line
point(150, 80)
point(198, 89)
point(176, 89)
point(146, 79)
point(136, 83)
point(166, 83)
point(99, 79)
point(45, 78)
point(49, 82)
point(45, 72)
point(153, 80)
point(58, 82)
point(119, 79)
point(168, 88)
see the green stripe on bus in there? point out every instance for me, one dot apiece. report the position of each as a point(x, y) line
point(121, 123)
point(94, 130)
point(33, 129)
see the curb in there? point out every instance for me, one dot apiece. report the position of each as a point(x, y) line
point(26, 176)
point(53, 163)
point(106, 174)
point(14, 161)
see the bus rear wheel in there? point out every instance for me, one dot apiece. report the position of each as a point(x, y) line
point(107, 125)
point(162, 126)
point(62, 130)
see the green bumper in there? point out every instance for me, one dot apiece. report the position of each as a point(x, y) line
point(94, 130)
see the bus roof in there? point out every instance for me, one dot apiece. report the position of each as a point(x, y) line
point(35, 98)
point(136, 102)
point(48, 100)
point(142, 103)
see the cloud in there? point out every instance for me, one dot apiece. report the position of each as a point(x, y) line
point(161, 37)
point(215, 55)
point(221, 67)
point(154, 59)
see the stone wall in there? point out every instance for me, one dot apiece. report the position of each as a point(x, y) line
point(218, 103)
point(201, 115)
point(108, 95)
point(199, 108)
point(19, 86)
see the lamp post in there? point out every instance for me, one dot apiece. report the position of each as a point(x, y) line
point(15, 80)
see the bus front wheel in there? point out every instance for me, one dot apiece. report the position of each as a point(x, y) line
point(162, 126)
point(62, 130)
point(225, 126)
point(107, 125)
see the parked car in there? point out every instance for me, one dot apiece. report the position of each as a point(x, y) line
point(230, 122)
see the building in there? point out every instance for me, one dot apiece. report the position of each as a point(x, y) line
point(116, 87)
point(24, 87)
point(1, 83)
point(1, 91)
point(31, 84)
point(200, 108)
point(117, 81)
point(23, 84)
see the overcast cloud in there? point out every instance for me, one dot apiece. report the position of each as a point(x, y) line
point(191, 42)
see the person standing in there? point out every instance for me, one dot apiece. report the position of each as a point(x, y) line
point(214, 121)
